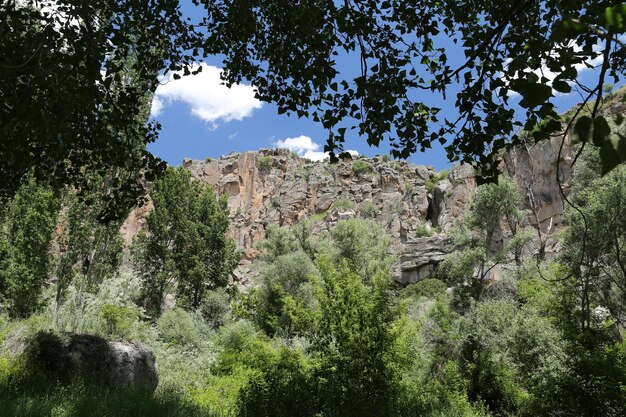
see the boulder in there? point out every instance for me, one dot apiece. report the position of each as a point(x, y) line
point(421, 257)
point(111, 364)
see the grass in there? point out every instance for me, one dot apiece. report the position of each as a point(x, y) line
point(432, 182)
point(343, 204)
point(318, 217)
point(362, 167)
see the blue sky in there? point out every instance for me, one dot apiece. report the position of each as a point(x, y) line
point(201, 118)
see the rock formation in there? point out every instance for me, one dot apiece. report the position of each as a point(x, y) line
point(66, 356)
point(413, 203)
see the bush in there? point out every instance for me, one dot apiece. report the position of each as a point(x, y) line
point(386, 158)
point(266, 163)
point(215, 307)
point(424, 231)
point(429, 288)
point(343, 204)
point(362, 167)
point(368, 210)
point(432, 182)
point(177, 327)
point(118, 321)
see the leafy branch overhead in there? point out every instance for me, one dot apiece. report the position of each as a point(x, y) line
point(89, 70)
point(292, 53)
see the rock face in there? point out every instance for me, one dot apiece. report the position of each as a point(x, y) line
point(274, 186)
point(111, 364)
point(421, 257)
point(277, 187)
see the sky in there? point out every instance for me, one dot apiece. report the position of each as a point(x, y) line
point(202, 118)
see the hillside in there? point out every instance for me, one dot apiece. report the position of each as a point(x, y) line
point(414, 204)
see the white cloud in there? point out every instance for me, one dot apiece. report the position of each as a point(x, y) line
point(306, 148)
point(300, 144)
point(206, 96)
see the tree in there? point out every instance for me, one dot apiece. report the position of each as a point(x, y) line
point(596, 241)
point(289, 52)
point(25, 236)
point(489, 234)
point(354, 339)
point(86, 65)
point(89, 249)
point(186, 242)
point(363, 245)
point(76, 80)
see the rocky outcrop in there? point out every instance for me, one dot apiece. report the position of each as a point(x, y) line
point(536, 168)
point(277, 187)
point(274, 186)
point(66, 356)
point(421, 258)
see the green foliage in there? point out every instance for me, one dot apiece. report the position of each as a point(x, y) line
point(343, 204)
point(424, 230)
point(93, 90)
point(266, 163)
point(318, 217)
point(285, 294)
point(368, 210)
point(25, 236)
point(612, 144)
point(374, 102)
point(361, 167)
point(92, 249)
point(596, 242)
point(215, 307)
point(429, 288)
point(282, 385)
point(117, 320)
point(386, 158)
point(279, 241)
point(176, 326)
point(432, 182)
point(363, 244)
point(494, 212)
point(354, 339)
point(186, 242)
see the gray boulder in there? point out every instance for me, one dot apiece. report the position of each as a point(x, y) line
point(105, 363)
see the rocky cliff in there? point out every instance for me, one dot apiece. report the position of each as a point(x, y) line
point(415, 204)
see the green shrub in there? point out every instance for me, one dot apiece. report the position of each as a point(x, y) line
point(424, 231)
point(429, 288)
point(343, 204)
point(368, 210)
point(117, 320)
point(266, 163)
point(432, 182)
point(386, 158)
point(215, 307)
point(362, 167)
point(177, 327)
point(318, 217)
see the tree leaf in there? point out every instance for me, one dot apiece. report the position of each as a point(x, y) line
point(582, 129)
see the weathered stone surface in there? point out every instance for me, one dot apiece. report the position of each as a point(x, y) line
point(115, 365)
point(535, 167)
point(393, 193)
point(421, 257)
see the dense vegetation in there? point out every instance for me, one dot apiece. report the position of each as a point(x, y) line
point(324, 332)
